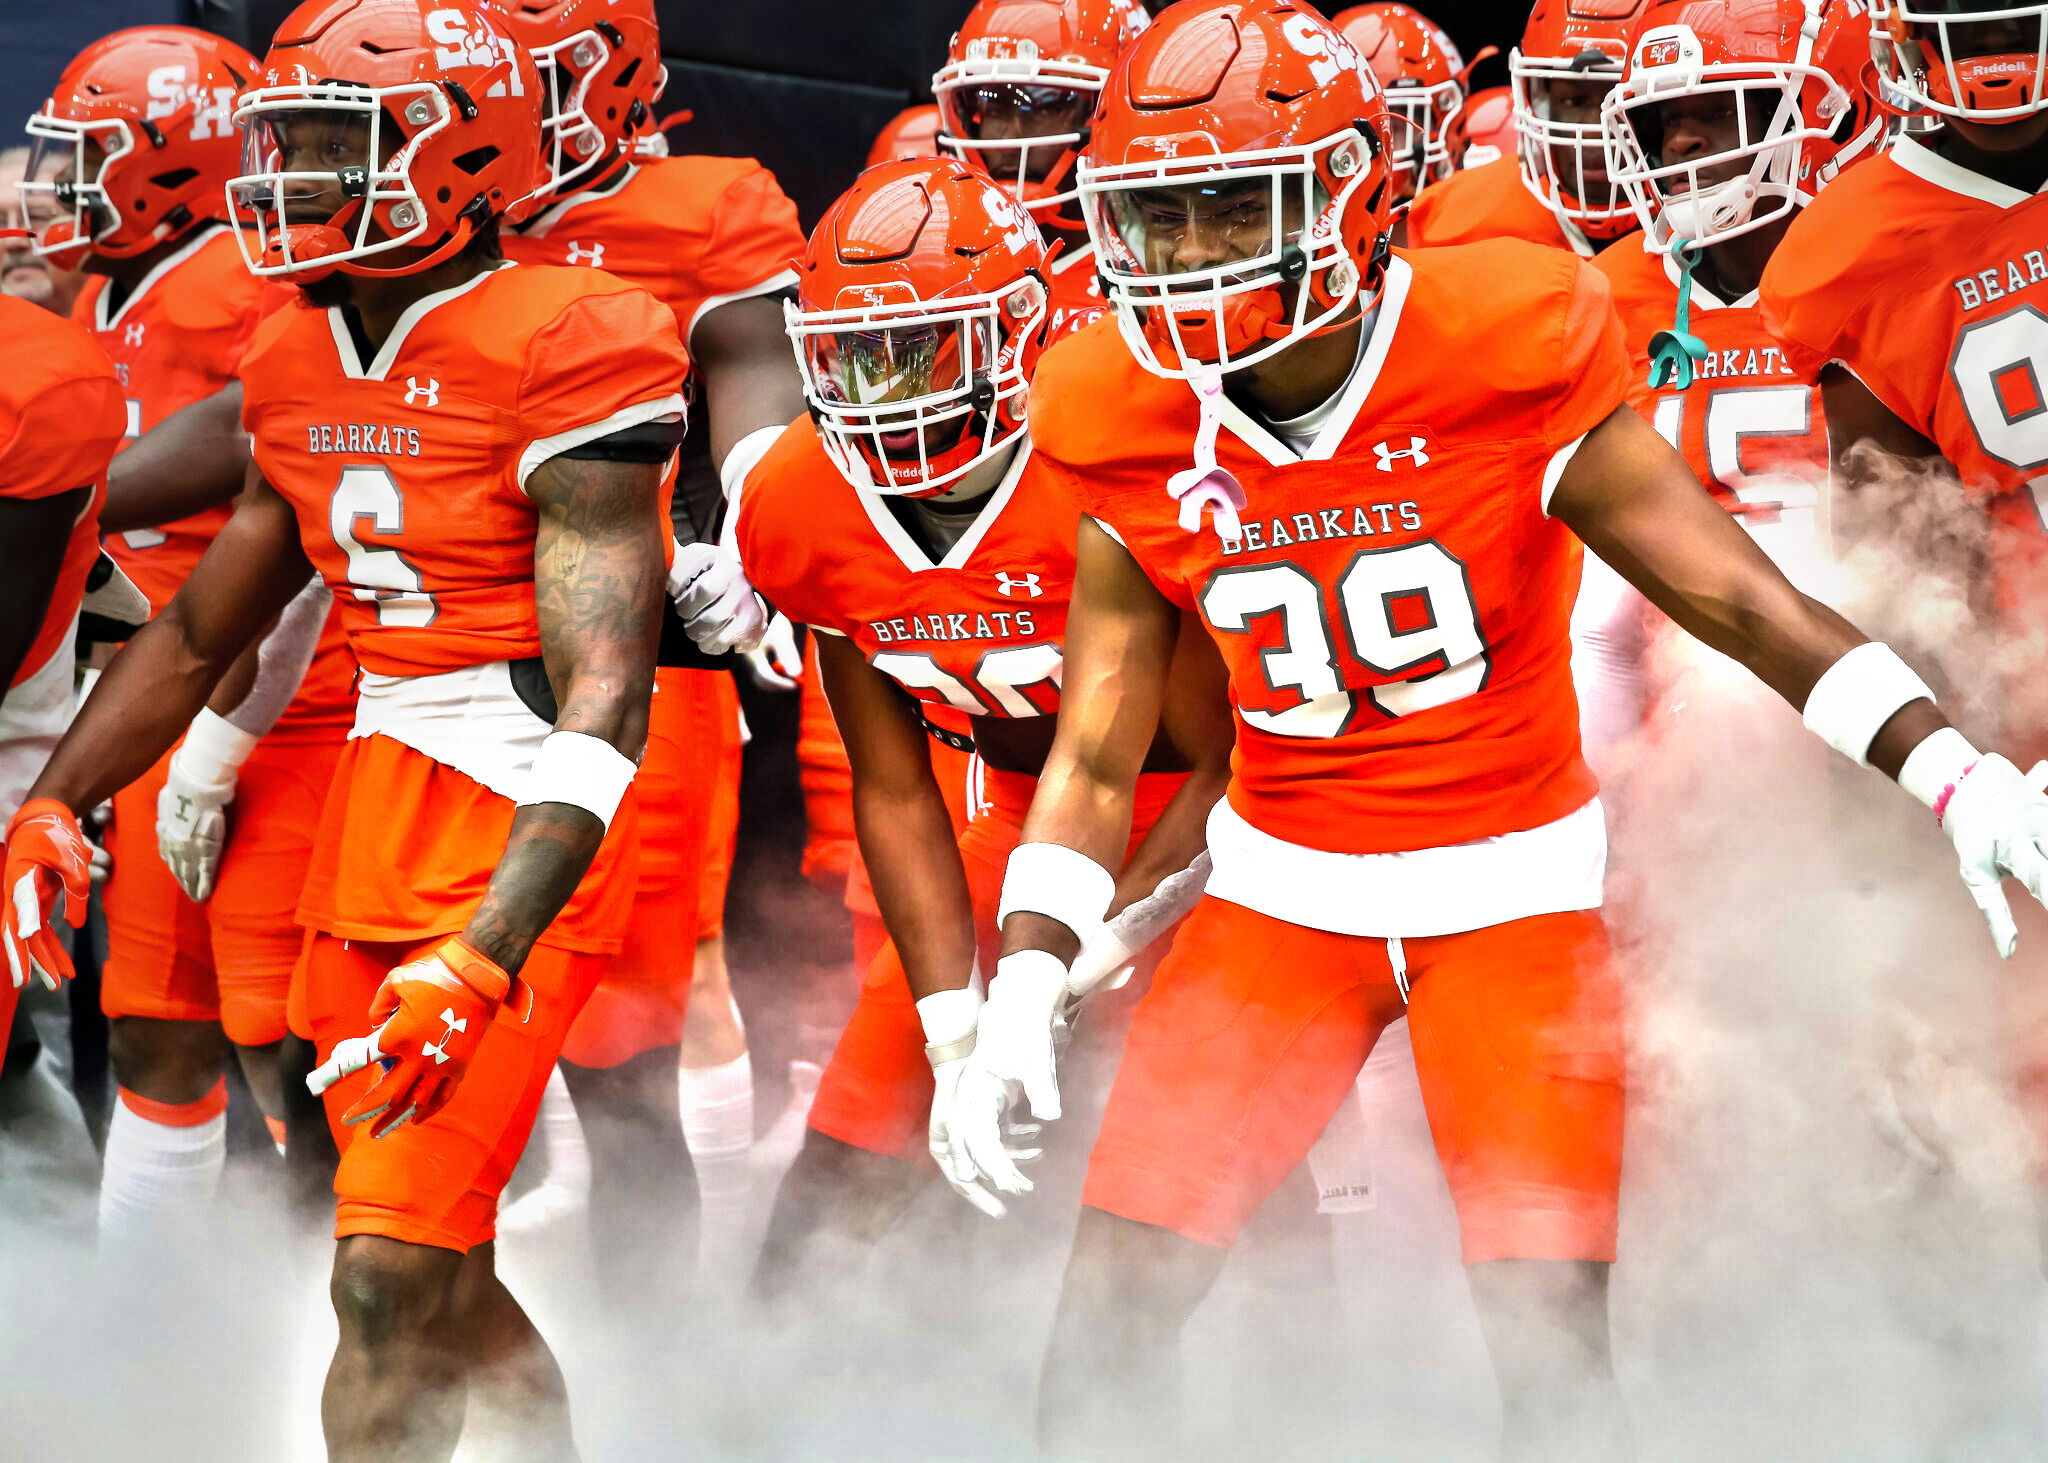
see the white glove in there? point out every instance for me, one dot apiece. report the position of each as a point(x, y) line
point(776, 664)
point(1998, 822)
point(718, 607)
point(1016, 1052)
point(191, 811)
point(1105, 959)
point(949, 1027)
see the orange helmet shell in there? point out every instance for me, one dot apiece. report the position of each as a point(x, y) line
point(600, 61)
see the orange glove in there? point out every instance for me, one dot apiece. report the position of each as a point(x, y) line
point(432, 1013)
point(46, 855)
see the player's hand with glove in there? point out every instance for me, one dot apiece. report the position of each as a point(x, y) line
point(777, 663)
point(1022, 1029)
point(718, 606)
point(191, 811)
point(1996, 818)
point(47, 857)
point(949, 1019)
point(431, 1014)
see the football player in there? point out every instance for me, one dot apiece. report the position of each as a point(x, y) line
point(1020, 81)
point(712, 238)
point(136, 146)
point(471, 455)
point(906, 522)
point(1419, 68)
point(1556, 190)
point(1722, 129)
point(61, 418)
point(1380, 524)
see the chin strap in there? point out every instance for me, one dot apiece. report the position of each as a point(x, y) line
point(1674, 352)
point(1207, 485)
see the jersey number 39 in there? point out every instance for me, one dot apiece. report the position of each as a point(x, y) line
point(1406, 614)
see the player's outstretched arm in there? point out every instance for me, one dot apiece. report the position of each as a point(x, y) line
point(140, 706)
point(1636, 504)
point(597, 580)
point(1058, 888)
point(190, 461)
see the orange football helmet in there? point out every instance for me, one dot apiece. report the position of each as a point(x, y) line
point(1423, 75)
point(600, 65)
point(1979, 60)
point(137, 141)
point(920, 312)
point(1790, 70)
point(1569, 49)
point(1020, 80)
point(423, 116)
point(1237, 186)
point(912, 132)
point(1489, 126)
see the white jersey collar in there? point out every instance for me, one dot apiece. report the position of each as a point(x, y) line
point(907, 550)
point(418, 310)
point(1924, 163)
point(105, 319)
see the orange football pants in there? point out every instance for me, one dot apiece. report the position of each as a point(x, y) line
point(876, 1092)
point(230, 959)
point(437, 1183)
point(1254, 1031)
point(688, 788)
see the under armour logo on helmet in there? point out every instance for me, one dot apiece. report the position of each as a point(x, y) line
point(1413, 452)
point(430, 393)
point(456, 1026)
point(1025, 584)
point(132, 336)
point(593, 256)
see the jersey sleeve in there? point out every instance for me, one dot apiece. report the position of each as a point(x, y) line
point(750, 248)
point(1808, 301)
point(770, 547)
point(1593, 364)
point(606, 362)
point(61, 438)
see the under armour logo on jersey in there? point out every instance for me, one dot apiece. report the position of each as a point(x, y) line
point(132, 336)
point(1024, 584)
point(456, 1026)
point(429, 393)
point(1413, 452)
point(593, 256)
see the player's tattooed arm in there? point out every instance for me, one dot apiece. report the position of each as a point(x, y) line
point(192, 460)
point(598, 580)
point(1632, 499)
point(33, 533)
point(905, 834)
point(149, 694)
point(1121, 633)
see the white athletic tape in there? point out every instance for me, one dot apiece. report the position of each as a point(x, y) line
point(1059, 883)
point(583, 771)
point(1857, 695)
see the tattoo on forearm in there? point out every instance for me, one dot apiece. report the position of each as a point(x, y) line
point(546, 855)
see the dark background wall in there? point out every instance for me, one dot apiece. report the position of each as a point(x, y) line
point(803, 85)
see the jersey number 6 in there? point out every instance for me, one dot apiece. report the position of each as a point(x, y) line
point(1407, 614)
point(380, 575)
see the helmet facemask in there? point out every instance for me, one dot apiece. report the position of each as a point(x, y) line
point(1024, 122)
point(911, 396)
point(1976, 60)
point(302, 145)
point(1559, 138)
point(1422, 121)
point(1221, 261)
point(573, 143)
point(67, 166)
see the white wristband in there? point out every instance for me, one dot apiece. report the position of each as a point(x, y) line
point(583, 771)
point(1857, 695)
point(1059, 883)
point(949, 1019)
point(1933, 768)
point(213, 751)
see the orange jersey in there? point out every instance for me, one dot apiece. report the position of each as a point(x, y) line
point(407, 473)
point(61, 419)
point(1486, 202)
point(694, 232)
point(1395, 615)
point(1750, 426)
point(1929, 283)
point(178, 338)
point(981, 630)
